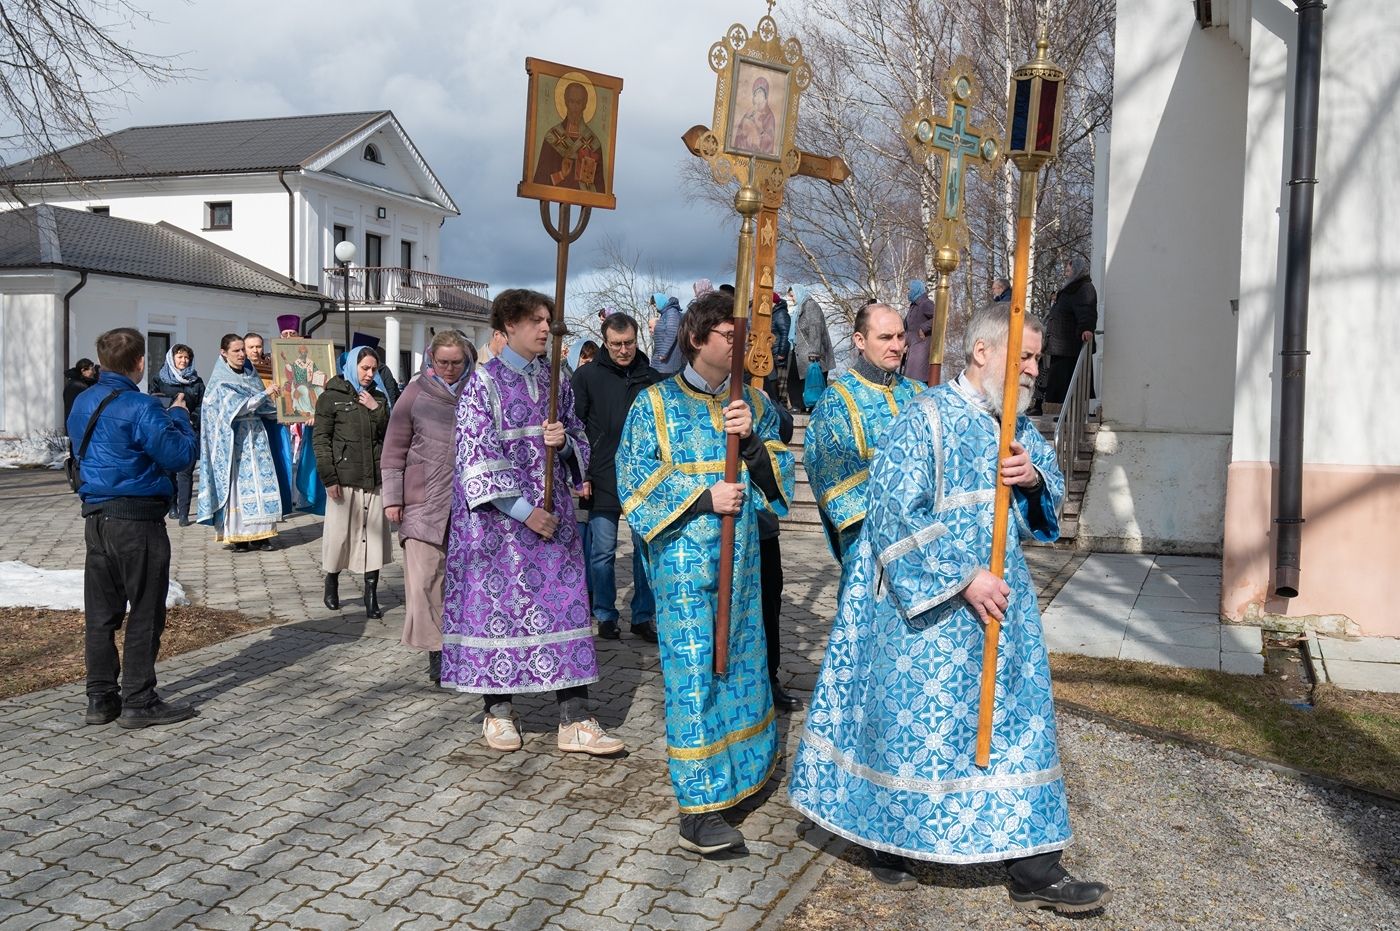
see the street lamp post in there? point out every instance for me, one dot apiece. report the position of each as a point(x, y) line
point(344, 255)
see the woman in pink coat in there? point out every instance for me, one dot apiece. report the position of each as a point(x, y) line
point(417, 470)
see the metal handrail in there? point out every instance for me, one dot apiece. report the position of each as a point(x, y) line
point(410, 286)
point(1073, 418)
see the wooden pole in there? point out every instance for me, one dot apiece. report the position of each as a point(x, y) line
point(1001, 514)
point(563, 236)
point(747, 202)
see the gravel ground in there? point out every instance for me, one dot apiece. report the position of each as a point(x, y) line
point(1186, 840)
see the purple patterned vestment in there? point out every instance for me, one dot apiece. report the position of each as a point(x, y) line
point(515, 608)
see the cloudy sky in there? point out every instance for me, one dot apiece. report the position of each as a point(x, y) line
point(453, 71)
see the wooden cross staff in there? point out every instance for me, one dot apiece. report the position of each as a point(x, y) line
point(829, 168)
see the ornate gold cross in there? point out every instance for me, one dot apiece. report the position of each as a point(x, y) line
point(958, 143)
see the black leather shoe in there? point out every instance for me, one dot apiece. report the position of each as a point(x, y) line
point(1067, 895)
point(608, 630)
point(103, 710)
point(372, 609)
point(185, 521)
point(782, 700)
point(240, 547)
point(645, 631)
point(892, 870)
point(157, 712)
point(708, 833)
point(331, 598)
point(267, 546)
point(435, 667)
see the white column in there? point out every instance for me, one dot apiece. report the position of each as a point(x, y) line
point(420, 341)
point(391, 345)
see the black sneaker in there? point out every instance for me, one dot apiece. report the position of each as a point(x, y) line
point(645, 631)
point(608, 630)
point(157, 712)
point(892, 870)
point(708, 833)
point(104, 709)
point(1067, 895)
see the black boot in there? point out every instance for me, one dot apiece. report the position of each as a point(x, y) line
point(891, 869)
point(435, 666)
point(372, 609)
point(332, 596)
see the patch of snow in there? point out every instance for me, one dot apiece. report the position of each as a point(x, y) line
point(24, 586)
point(35, 450)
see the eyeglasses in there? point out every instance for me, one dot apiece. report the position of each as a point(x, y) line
point(726, 335)
point(625, 344)
point(449, 363)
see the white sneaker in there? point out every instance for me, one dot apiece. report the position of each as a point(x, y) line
point(587, 737)
point(501, 733)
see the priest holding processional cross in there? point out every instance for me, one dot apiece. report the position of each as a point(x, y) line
point(701, 457)
point(931, 733)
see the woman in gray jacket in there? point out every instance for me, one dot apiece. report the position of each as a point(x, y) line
point(417, 468)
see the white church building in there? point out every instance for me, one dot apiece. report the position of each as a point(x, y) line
point(1196, 211)
point(190, 231)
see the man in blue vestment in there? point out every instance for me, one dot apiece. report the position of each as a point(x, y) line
point(850, 420)
point(886, 758)
point(721, 735)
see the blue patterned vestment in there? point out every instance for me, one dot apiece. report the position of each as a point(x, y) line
point(238, 488)
point(886, 758)
point(720, 733)
point(842, 437)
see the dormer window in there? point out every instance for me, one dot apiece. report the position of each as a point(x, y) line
point(372, 154)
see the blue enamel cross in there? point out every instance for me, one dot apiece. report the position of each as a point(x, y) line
point(956, 142)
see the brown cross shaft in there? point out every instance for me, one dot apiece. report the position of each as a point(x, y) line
point(829, 168)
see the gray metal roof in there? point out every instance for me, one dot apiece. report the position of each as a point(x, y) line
point(286, 142)
point(46, 236)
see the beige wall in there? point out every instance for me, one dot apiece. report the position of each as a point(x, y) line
point(1351, 548)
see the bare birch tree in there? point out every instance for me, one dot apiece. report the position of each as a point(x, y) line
point(623, 281)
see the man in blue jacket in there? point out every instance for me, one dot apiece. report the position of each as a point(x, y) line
point(126, 491)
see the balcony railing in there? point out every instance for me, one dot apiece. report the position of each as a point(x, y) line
point(407, 286)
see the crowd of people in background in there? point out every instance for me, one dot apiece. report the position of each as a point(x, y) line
point(508, 519)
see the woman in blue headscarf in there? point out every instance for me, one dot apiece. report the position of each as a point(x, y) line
point(178, 377)
point(918, 325)
point(352, 416)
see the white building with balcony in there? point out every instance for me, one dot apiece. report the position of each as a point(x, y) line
point(275, 195)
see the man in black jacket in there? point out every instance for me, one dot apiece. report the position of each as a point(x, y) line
point(603, 394)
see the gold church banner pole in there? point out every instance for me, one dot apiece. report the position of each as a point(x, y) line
point(570, 141)
point(759, 81)
point(1033, 131)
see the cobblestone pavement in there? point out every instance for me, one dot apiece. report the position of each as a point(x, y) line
point(326, 785)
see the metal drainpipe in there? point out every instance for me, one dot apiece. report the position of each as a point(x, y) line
point(1288, 517)
point(291, 227)
point(67, 323)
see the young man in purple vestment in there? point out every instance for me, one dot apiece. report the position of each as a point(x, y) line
point(515, 612)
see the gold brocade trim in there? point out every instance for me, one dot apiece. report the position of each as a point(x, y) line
point(670, 518)
point(775, 447)
point(247, 537)
point(842, 487)
point(730, 803)
point(658, 412)
point(857, 427)
point(635, 499)
point(850, 521)
point(703, 467)
point(886, 390)
point(710, 749)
